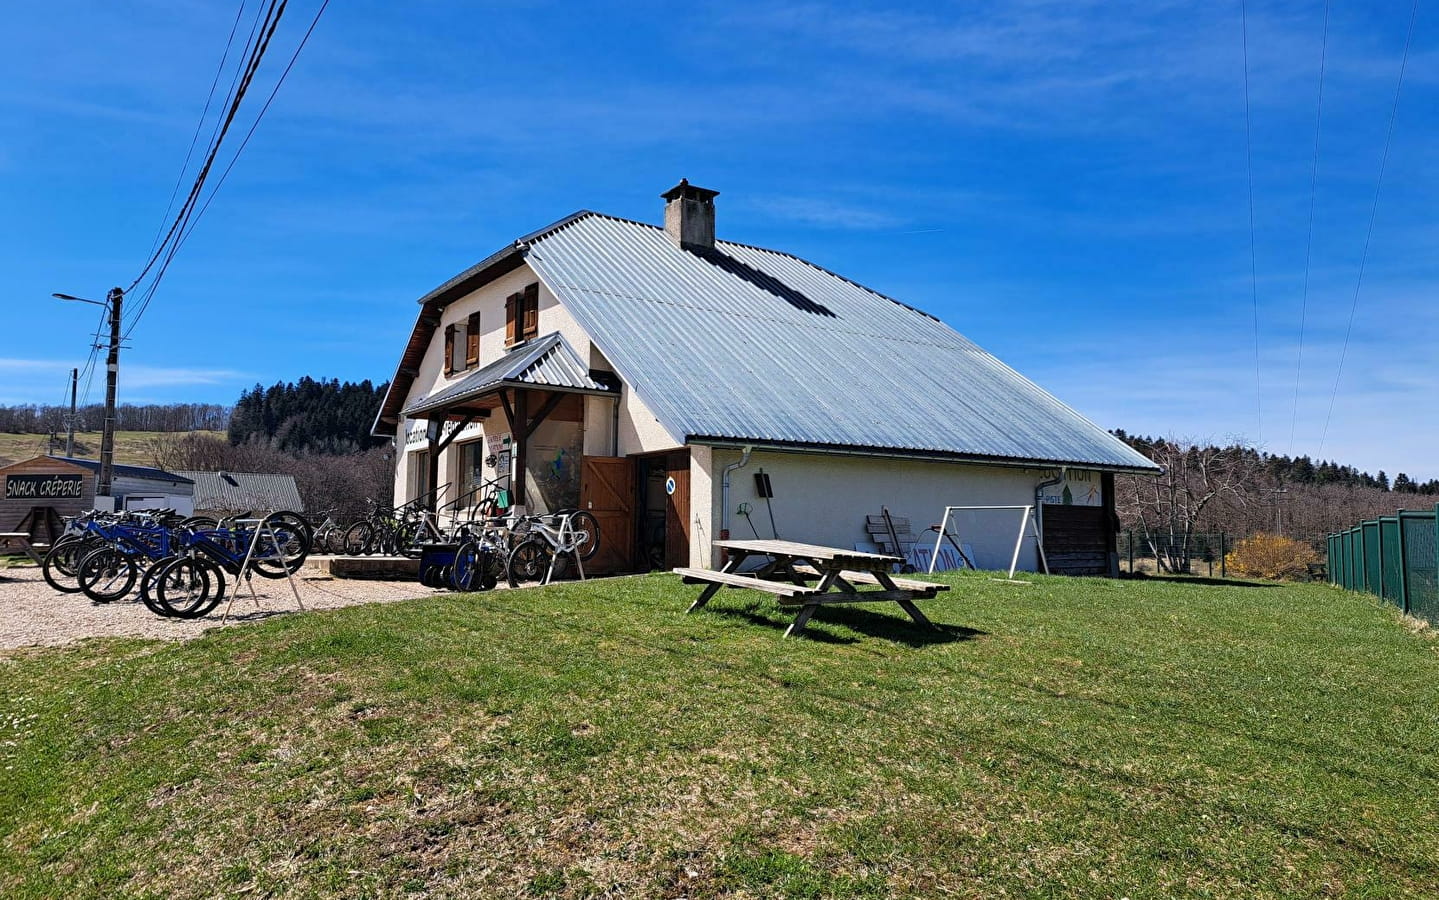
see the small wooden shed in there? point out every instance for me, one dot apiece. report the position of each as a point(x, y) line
point(37, 493)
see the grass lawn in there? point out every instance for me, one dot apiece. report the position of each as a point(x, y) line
point(1071, 738)
point(134, 448)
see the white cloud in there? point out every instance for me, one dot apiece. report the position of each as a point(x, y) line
point(46, 381)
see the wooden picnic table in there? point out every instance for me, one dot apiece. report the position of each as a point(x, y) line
point(836, 571)
point(18, 540)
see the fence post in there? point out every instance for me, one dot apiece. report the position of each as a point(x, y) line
point(1403, 566)
point(1223, 554)
point(1131, 551)
point(1356, 559)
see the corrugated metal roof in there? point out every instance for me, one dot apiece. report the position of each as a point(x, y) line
point(142, 473)
point(245, 491)
point(544, 362)
point(748, 344)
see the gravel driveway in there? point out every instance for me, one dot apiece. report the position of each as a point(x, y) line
point(34, 614)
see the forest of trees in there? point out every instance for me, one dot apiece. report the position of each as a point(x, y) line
point(1242, 491)
point(309, 415)
point(36, 419)
point(316, 430)
point(1304, 470)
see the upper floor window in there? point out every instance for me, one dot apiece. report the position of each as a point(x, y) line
point(462, 345)
point(522, 315)
point(472, 341)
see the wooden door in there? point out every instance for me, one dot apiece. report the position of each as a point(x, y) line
point(677, 511)
point(607, 491)
point(1076, 539)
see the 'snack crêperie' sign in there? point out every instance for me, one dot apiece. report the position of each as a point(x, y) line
point(44, 487)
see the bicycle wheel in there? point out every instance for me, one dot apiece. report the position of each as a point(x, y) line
point(107, 574)
point(586, 530)
point(202, 523)
point(189, 588)
point(529, 561)
point(358, 538)
point(62, 564)
point(147, 585)
point(293, 535)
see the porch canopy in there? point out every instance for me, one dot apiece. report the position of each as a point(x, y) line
point(528, 382)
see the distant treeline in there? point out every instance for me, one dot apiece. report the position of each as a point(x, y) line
point(308, 416)
point(34, 419)
point(1282, 469)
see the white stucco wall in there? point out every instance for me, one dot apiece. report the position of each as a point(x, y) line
point(639, 430)
point(823, 499)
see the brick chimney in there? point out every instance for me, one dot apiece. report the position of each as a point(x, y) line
point(690, 216)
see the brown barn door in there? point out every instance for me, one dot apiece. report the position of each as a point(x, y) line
point(677, 511)
point(1076, 539)
point(607, 491)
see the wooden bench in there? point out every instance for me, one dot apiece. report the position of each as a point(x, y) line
point(715, 580)
point(838, 571)
point(909, 584)
point(18, 541)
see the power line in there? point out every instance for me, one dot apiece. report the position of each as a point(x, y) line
point(1253, 253)
point(204, 114)
point(1309, 238)
point(193, 218)
point(264, 26)
point(272, 16)
point(1369, 232)
point(246, 140)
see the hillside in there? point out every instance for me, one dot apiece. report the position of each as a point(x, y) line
point(1071, 738)
point(131, 447)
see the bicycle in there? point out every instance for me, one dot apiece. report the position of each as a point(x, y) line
point(273, 547)
point(543, 540)
point(329, 536)
point(392, 530)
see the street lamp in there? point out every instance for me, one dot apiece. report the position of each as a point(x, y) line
point(112, 371)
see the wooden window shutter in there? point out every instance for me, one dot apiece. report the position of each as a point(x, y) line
point(449, 349)
point(512, 312)
point(532, 312)
point(472, 340)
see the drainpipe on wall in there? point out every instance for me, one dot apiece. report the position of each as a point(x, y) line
point(615, 428)
point(1039, 499)
point(724, 493)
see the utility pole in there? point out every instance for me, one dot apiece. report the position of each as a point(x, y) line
point(1278, 509)
point(112, 372)
point(70, 436)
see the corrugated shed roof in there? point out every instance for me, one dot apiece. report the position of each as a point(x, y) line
point(245, 491)
point(144, 473)
point(544, 362)
point(747, 344)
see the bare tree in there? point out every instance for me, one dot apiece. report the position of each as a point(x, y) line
point(341, 482)
point(1167, 508)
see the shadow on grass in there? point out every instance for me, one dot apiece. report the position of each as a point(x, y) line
point(871, 624)
point(1198, 579)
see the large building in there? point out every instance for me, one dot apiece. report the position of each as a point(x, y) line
point(648, 373)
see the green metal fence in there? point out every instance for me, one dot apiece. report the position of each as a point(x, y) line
point(1393, 557)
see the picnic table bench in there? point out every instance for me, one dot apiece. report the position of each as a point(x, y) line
point(18, 540)
point(835, 571)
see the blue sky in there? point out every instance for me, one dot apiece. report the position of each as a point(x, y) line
point(1064, 182)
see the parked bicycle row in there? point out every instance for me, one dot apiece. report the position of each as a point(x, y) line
point(177, 566)
point(475, 539)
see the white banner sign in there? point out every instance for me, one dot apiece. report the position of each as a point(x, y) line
point(1080, 487)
